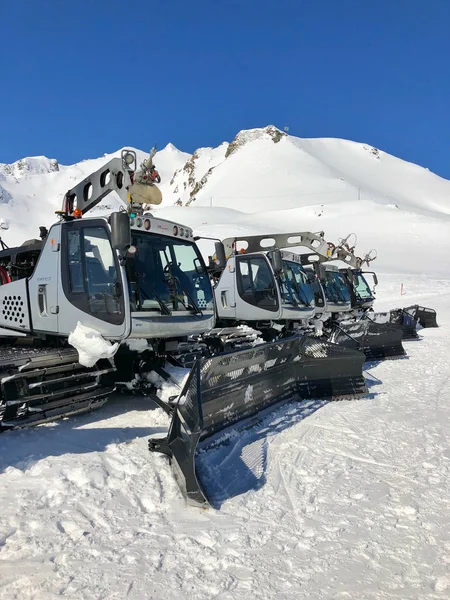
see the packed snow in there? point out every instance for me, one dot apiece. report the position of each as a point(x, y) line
point(168, 389)
point(320, 500)
point(91, 345)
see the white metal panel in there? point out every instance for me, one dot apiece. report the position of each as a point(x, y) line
point(43, 284)
point(225, 291)
point(14, 313)
point(151, 325)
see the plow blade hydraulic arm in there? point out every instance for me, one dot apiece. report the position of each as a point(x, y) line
point(228, 388)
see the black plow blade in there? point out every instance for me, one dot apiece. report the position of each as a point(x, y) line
point(229, 388)
point(409, 317)
point(426, 317)
point(378, 341)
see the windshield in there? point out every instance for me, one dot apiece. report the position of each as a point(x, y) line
point(335, 287)
point(167, 274)
point(362, 288)
point(295, 287)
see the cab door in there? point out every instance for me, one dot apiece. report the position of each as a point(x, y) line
point(258, 295)
point(93, 286)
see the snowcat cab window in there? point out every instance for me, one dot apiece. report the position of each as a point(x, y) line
point(362, 288)
point(335, 287)
point(295, 285)
point(256, 283)
point(168, 274)
point(91, 275)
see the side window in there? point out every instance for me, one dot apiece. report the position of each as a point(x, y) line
point(101, 272)
point(261, 275)
point(256, 284)
point(245, 277)
point(76, 280)
point(362, 288)
point(91, 281)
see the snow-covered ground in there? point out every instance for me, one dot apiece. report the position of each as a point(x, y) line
point(321, 500)
point(344, 500)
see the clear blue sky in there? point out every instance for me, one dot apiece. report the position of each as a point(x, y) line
point(79, 78)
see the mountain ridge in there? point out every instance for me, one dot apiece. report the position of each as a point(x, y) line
point(265, 181)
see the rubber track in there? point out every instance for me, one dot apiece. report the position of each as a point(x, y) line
point(43, 384)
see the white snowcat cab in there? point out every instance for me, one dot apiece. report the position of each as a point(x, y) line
point(109, 265)
point(337, 289)
point(257, 282)
point(330, 290)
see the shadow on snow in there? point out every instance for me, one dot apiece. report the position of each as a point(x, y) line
point(232, 463)
point(21, 448)
point(235, 461)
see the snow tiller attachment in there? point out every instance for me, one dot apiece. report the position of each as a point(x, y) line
point(378, 341)
point(232, 387)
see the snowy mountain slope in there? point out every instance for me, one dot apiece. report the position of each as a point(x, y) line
point(273, 182)
point(380, 175)
point(404, 242)
point(265, 169)
point(167, 161)
point(189, 180)
point(32, 165)
point(323, 500)
point(266, 172)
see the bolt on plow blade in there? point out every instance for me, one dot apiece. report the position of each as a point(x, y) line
point(230, 388)
point(377, 340)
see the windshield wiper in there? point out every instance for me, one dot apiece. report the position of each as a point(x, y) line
point(195, 308)
point(165, 310)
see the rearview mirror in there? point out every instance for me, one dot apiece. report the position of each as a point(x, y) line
point(319, 270)
point(120, 230)
point(221, 259)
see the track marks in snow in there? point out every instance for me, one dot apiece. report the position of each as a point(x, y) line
point(354, 504)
